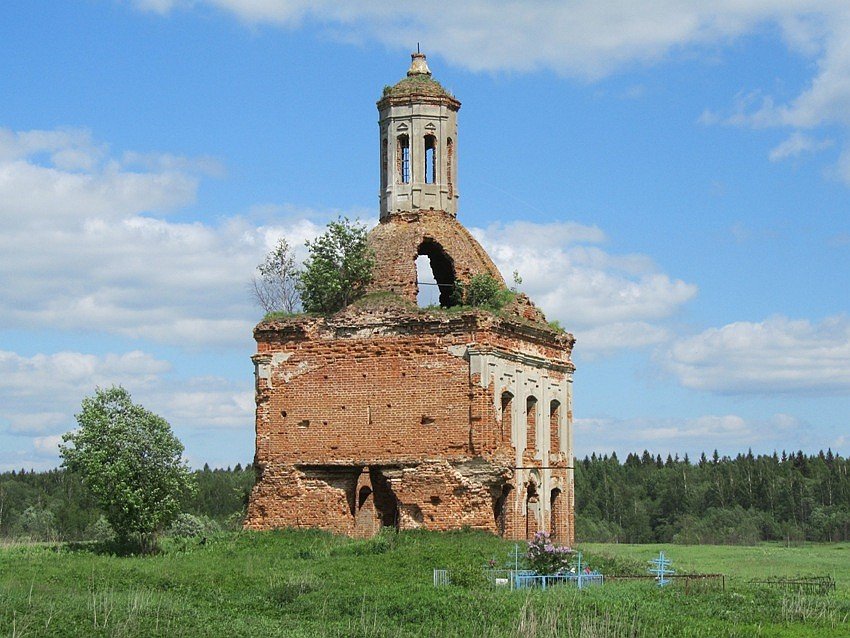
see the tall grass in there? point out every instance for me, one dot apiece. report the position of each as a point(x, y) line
point(312, 584)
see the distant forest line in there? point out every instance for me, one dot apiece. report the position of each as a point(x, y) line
point(721, 500)
point(717, 500)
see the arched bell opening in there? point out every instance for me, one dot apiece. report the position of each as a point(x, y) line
point(441, 278)
point(403, 158)
point(430, 159)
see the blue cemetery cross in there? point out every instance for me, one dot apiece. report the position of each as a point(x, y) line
point(516, 556)
point(578, 567)
point(661, 568)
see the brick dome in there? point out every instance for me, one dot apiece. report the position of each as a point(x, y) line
point(455, 254)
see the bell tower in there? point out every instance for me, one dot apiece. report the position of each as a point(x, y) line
point(418, 144)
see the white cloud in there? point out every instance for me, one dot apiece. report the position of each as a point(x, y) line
point(84, 253)
point(584, 38)
point(590, 39)
point(609, 338)
point(41, 394)
point(727, 432)
point(775, 356)
point(796, 145)
point(819, 30)
point(211, 403)
point(47, 445)
point(609, 301)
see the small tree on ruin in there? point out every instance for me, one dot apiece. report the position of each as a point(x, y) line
point(275, 287)
point(132, 463)
point(338, 268)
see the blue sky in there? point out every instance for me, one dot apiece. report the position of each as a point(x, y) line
point(672, 182)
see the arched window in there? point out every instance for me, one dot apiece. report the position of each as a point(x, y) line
point(531, 423)
point(555, 512)
point(430, 159)
point(532, 511)
point(403, 158)
point(554, 418)
point(450, 154)
point(507, 415)
point(384, 163)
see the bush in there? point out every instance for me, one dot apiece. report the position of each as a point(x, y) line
point(468, 577)
point(274, 290)
point(38, 524)
point(101, 531)
point(545, 557)
point(292, 587)
point(191, 526)
point(484, 291)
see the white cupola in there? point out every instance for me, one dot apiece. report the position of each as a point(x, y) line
point(418, 144)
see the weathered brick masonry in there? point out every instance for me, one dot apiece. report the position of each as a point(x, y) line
point(386, 414)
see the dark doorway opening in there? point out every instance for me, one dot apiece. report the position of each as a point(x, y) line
point(385, 499)
point(500, 512)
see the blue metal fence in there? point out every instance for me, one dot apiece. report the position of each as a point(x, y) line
point(524, 578)
point(580, 580)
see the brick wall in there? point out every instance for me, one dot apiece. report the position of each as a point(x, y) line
point(372, 418)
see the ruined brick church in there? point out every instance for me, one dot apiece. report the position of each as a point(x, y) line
point(386, 414)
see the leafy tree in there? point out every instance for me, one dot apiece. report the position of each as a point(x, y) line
point(132, 463)
point(338, 268)
point(275, 288)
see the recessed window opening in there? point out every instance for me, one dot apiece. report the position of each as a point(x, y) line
point(404, 159)
point(430, 159)
point(507, 416)
point(442, 276)
point(531, 423)
point(450, 158)
point(384, 163)
point(554, 419)
point(532, 509)
point(555, 512)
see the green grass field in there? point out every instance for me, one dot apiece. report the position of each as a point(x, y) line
point(311, 584)
point(768, 560)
